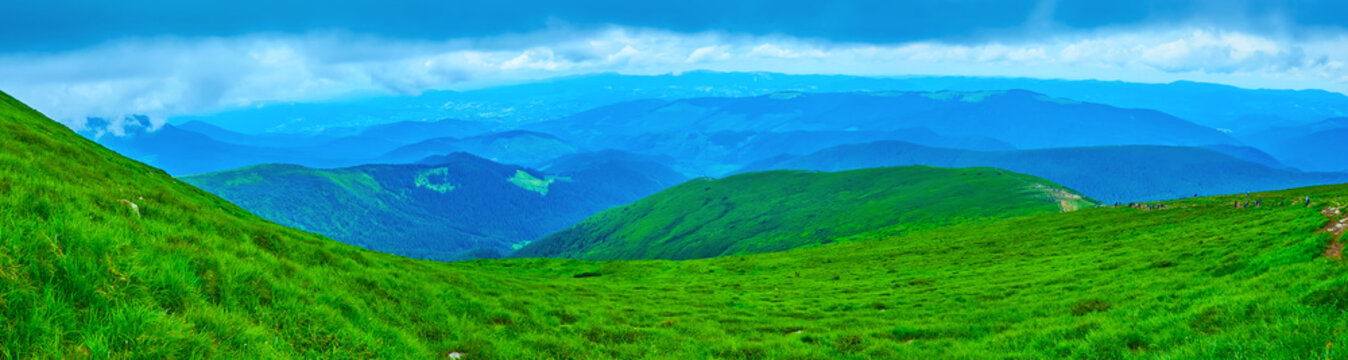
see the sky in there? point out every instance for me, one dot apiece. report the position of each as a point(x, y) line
point(76, 59)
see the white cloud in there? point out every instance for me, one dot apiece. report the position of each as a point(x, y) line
point(708, 53)
point(162, 77)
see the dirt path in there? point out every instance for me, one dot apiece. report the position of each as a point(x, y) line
point(1067, 201)
point(1336, 227)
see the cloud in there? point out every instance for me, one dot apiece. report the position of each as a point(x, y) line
point(708, 53)
point(50, 25)
point(165, 77)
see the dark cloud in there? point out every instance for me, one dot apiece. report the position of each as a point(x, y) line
point(66, 24)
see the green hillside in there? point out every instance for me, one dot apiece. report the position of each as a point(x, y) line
point(451, 207)
point(782, 210)
point(184, 274)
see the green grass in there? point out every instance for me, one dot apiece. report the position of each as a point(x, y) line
point(192, 276)
point(783, 210)
point(528, 182)
point(440, 185)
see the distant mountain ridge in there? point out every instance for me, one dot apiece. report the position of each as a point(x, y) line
point(1214, 105)
point(182, 152)
point(1315, 146)
point(1020, 118)
point(519, 147)
point(985, 120)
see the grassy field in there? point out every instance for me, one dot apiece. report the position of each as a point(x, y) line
point(183, 274)
point(783, 210)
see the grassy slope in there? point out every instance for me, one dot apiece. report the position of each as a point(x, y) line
point(781, 210)
point(193, 276)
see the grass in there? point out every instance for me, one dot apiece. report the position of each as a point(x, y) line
point(528, 182)
point(192, 276)
point(782, 210)
point(441, 184)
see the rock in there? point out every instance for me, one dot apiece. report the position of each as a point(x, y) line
point(134, 207)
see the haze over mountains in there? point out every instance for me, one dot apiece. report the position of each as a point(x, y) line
point(979, 120)
point(1213, 105)
point(1125, 148)
point(1313, 147)
point(672, 114)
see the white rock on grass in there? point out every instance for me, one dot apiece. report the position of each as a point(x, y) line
point(134, 208)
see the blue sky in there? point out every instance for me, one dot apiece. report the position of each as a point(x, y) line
point(73, 59)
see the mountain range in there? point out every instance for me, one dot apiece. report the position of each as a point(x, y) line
point(1110, 174)
point(183, 152)
point(1213, 105)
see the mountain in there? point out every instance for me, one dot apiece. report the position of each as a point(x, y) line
point(379, 139)
point(185, 274)
point(1219, 106)
point(1310, 147)
point(1250, 154)
point(1110, 174)
point(782, 210)
point(512, 147)
point(718, 153)
point(1213, 105)
point(999, 117)
point(262, 140)
point(208, 148)
point(182, 152)
point(439, 209)
point(617, 172)
point(519, 103)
